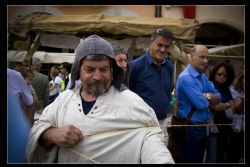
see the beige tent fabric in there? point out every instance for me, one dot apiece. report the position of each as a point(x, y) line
point(232, 51)
point(184, 29)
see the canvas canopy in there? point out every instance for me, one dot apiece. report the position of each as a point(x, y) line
point(45, 57)
point(232, 51)
point(184, 29)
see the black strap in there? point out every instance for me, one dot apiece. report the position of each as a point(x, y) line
point(66, 82)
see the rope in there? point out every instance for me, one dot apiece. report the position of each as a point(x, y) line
point(84, 156)
point(170, 126)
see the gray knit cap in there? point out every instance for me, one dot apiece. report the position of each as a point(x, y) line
point(117, 48)
point(95, 45)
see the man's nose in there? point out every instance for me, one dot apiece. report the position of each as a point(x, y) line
point(97, 75)
point(163, 49)
point(206, 60)
point(123, 64)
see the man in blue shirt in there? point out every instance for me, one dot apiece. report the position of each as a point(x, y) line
point(194, 90)
point(151, 76)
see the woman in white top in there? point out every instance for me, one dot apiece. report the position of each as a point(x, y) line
point(55, 84)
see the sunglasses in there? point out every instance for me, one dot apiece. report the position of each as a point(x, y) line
point(160, 30)
point(221, 74)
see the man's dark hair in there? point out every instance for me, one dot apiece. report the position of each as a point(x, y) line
point(67, 66)
point(230, 73)
point(163, 33)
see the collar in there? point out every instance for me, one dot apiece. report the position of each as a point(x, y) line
point(150, 59)
point(194, 72)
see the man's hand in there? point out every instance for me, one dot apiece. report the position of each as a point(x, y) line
point(212, 98)
point(64, 137)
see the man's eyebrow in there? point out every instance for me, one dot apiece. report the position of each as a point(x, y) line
point(89, 66)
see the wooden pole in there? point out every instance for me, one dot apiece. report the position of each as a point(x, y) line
point(33, 48)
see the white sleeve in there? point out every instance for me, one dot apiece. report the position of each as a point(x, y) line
point(51, 116)
point(154, 150)
point(34, 152)
point(58, 81)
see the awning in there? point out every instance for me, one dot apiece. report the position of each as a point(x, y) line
point(184, 29)
point(232, 51)
point(45, 57)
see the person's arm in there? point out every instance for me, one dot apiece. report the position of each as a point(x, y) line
point(30, 110)
point(213, 98)
point(33, 92)
point(154, 150)
point(223, 106)
point(54, 85)
point(26, 96)
point(63, 137)
point(189, 87)
point(27, 99)
point(213, 95)
point(41, 148)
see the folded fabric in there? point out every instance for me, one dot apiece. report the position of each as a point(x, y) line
point(238, 122)
point(212, 128)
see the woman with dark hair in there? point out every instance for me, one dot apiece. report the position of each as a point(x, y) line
point(222, 77)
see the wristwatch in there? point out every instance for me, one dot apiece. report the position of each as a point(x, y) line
point(209, 96)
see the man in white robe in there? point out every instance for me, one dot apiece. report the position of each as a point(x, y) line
point(96, 122)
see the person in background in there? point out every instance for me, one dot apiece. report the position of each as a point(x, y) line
point(236, 137)
point(28, 77)
point(195, 92)
point(65, 68)
point(77, 83)
point(55, 84)
point(41, 85)
point(121, 59)
point(222, 77)
point(96, 122)
point(151, 76)
point(18, 88)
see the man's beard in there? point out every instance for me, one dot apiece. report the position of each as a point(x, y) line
point(96, 88)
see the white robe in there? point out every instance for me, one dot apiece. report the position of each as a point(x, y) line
point(120, 128)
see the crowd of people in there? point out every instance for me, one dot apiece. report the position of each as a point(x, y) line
point(104, 109)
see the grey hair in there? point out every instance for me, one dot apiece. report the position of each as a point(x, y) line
point(118, 49)
point(163, 33)
point(36, 63)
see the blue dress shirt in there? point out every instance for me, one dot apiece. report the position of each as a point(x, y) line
point(189, 88)
point(152, 83)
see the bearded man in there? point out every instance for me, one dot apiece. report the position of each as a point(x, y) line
point(96, 121)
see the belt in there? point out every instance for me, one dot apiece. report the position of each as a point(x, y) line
point(196, 123)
